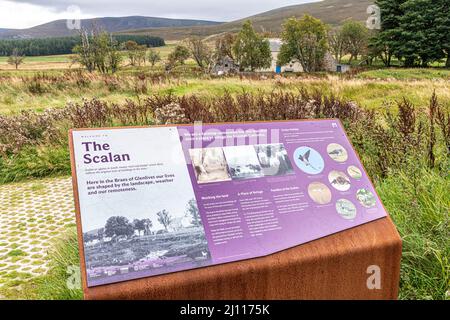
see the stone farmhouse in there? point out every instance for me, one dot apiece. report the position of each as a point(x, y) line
point(228, 66)
point(293, 66)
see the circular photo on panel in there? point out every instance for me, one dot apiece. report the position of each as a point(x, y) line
point(319, 193)
point(346, 209)
point(366, 198)
point(339, 180)
point(354, 172)
point(309, 160)
point(337, 152)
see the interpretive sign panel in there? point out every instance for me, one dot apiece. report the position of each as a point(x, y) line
point(155, 200)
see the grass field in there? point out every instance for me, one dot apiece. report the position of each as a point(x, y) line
point(38, 63)
point(41, 59)
point(434, 74)
point(371, 89)
point(56, 62)
point(16, 96)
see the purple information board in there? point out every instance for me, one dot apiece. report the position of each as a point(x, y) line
point(165, 199)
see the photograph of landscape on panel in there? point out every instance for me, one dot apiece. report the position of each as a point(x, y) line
point(139, 214)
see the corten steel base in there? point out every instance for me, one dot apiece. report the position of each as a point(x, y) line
point(334, 267)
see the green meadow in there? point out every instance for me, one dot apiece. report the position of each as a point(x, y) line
point(52, 82)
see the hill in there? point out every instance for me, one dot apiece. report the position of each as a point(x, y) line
point(332, 12)
point(2, 30)
point(59, 28)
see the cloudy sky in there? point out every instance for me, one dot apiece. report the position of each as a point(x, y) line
point(25, 14)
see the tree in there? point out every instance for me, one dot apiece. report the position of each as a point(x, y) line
point(201, 52)
point(114, 58)
point(251, 51)
point(64, 45)
point(422, 40)
point(148, 224)
point(154, 57)
point(193, 212)
point(101, 42)
point(377, 48)
point(142, 225)
point(389, 37)
point(98, 51)
point(355, 36)
point(164, 218)
point(443, 27)
point(138, 225)
point(84, 52)
point(131, 47)
point(304, 40)
point(179, 55)
point(415, 31)
point(16, 59)
point(337, 43)
point(118, 226)
point(136, 52)
point(224, 46)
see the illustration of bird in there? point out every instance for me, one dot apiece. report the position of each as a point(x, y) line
point(305, 159)
point(355, 172)
point(336, 152)
point(341, 181)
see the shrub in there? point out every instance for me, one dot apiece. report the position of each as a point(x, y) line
point(407, 139)
point(35, 162)
point(171, 113)
point(36, 87)
point(112, 83)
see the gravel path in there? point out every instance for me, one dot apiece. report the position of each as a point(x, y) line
point(32, 214)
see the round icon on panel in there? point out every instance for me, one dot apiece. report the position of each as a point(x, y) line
point(337, 152)
point(346, 209)
point(339, 180)
point(319, 192)
point(354, 172)
point(366, 198)
point(309, 160)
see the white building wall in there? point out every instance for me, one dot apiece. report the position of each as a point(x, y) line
point(294, 66)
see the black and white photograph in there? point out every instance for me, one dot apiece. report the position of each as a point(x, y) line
point(129, 246)
point(139, 222)
point(274, 159)
point(243, 162)
point(209, 165)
